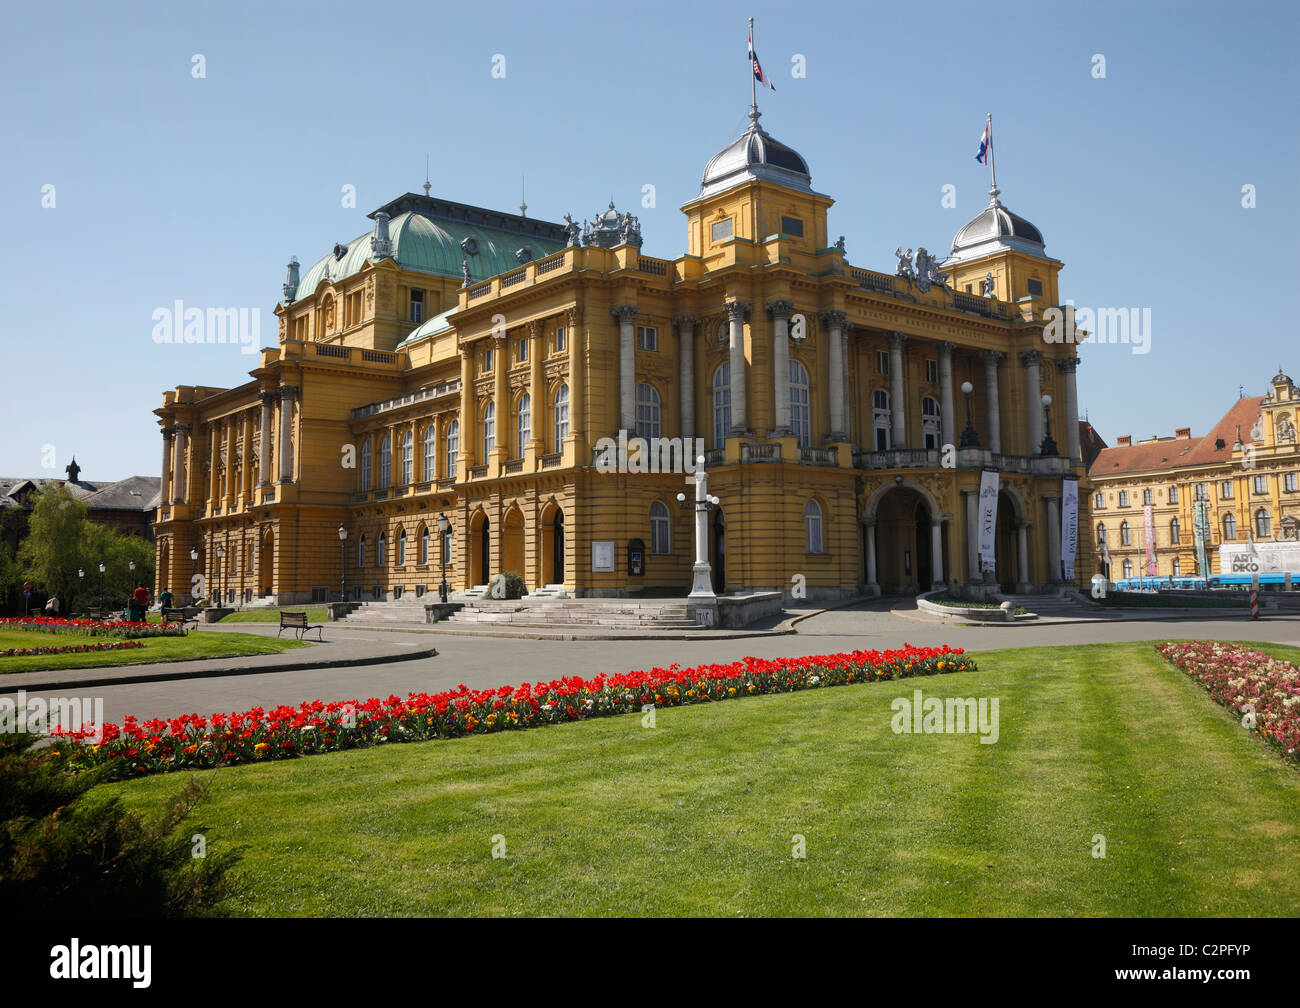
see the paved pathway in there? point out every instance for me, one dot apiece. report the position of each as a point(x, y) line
point(484, 662)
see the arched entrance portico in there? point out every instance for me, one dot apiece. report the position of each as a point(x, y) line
point(266, 563)
point(1011, 544)
point(903, 540)
point(551, 566)
point(512, 542)
point(719, 552)
point(480, 548)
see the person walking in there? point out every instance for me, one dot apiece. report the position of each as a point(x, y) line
point(140, 602)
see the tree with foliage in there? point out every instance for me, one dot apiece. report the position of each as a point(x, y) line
point(53, 550)
point(67, 853)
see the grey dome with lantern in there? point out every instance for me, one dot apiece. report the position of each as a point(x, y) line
point(996, 229)
point(755, 155)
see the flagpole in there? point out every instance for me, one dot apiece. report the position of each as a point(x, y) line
point(753, 90)
point(993, 175)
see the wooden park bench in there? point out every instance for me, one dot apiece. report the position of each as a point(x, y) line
point(178, 616)
point(298, 621)
point(95, 614)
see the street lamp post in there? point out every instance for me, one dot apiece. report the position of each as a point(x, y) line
point(81, 573)
point(221, 554)
point(443, 526)
point(343, 564)
point(194, 573)
point(101, 584)
point(969, 439)
point(130, 588)
point(1049, 446)
point(702, 602)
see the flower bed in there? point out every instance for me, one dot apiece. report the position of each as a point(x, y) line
point(123, 645)
point(192, 742)
point(1239, 677)
point(94, 628)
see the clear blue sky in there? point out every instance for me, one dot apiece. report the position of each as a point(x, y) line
point(170, 187)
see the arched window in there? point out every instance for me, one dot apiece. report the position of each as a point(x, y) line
point(1178, 567)
point(721, 404)
point(812, 519)
point(383, 549)
point(1230, 526)
point(880, 418)
point(1128, 568)
point(647, 411)
point(401, 548)
point(931, 426)
point(424, 544)
point(660, 536)
point(489, 430)
point(365, 465)
point(523, 424)
point(561, 416)
point(453, 448)
point(1125, 538)
point(408, 458)
point(1263, 524)
point(800, 421)
point(430, 451)
point(361, 551)
point(1174, 532)
point(385, 462)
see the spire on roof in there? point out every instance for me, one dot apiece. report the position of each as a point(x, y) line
point(427, 186)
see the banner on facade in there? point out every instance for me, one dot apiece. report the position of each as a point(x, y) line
point(988, 517)
point(1201, 531)
point(1149, 533)
point(1069, 525)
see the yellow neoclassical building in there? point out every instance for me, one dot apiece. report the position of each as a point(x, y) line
point(467, 363)
point(1223, 504)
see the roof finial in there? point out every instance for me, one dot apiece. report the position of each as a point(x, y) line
point(523, 205)
point(427, 186)
point(993, 175)
point(754, 71)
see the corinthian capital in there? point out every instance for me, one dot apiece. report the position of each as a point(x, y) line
point(780, 309)
point(1067, 365)
point(896, 340)
point(625, 313)
point(685, 321)
point(834, 319)
point(1031, 358)
point(736, 310)
point(993, 357)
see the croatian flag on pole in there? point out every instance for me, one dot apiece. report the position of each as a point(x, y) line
point(984, 145)
point(758, 67)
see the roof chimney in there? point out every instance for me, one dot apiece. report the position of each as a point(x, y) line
point(1183, 433)
point(1124, 441)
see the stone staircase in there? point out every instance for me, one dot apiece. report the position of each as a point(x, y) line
point(401, 612)
point(576, 614)
point(1052, 605)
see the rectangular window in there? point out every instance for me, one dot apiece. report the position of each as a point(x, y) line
point(1289, 482)
point(882, 361)
point(487, 360)
point(417, 306)
point(1261, 484)
point(1200, 491)
point(561, 340)
point(1035, 288)
point(932, 371)
point(1173, 495)
point(792, 226)
point(1123, 498)
point(1101, 501)
point(523, 350)
point(1225, 490)
point(722, 230)
point(1147, 497)
point(647, 338)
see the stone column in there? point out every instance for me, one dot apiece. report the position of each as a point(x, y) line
point(214, 465)
point(780, 312)
point(948, 420)
point(1068, 366)
point(936, 553)
point(577, 388)
point(973, 575)
point(1053, 539)
point(466, 452)
point(246, 471)
point(169, 435)
point(286, 432)
point(898, 436)
point(178, 464)
point(834, 322)
point(501, 396)
point(1032, 361)
point(264, 450)
point(869, 532)
point(536, 390)
point(626, 367)
point(1022, 543)
point(686, 370)
point(848, 388)
point(736, 327)
point(992, 359)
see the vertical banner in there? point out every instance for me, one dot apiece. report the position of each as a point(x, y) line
point(1149, 533)
point(1201, 530)
point(988, 520)
point(1069, 525)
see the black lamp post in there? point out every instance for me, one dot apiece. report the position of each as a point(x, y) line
point(969, 439)
point(221, 555)
point(443, 526)
point(101, 584)
point(1049, 446)
point(81, 573)
point(343, 564)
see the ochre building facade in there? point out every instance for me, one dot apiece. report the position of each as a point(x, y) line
point(467, 363)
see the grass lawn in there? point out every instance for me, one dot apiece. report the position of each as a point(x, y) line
point(316, 614)
point(156, 649)
point(697, 815)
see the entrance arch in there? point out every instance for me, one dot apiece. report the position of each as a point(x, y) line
point(551, 566)
point(1012, 570)
point(512, 542)
point(266, 563)
point(719, 558)
point(904, 516)
point(480, 549)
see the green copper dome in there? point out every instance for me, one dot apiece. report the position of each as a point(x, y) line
point(429, 235)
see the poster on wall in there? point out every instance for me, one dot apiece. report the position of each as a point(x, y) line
point(988, 518)
point(1069, 525)
point(602, 556)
